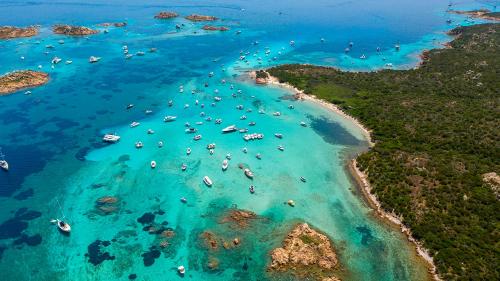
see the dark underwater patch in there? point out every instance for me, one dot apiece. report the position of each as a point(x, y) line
point(29, 240)
point(24, 194)
point(332, 132)
point(149, 257)
point(366, 234)
point(12, 228)
point(95, 255)
point(147, 218)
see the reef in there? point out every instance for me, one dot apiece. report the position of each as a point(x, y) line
point(95, 255)
point(14, 227)
point(29, 240)
point(146, 218)
point(17, 80)
point(305, 253)
point(166, 15)
point(150, 256)
point(196, 17)
point(215, 28)
point(240, 218)
point(9, 32)
point(107, 205)
point(73, 30)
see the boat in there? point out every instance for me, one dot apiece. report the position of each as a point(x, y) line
point(302, 179)
point(147, 111)
point(258, 156)
point(363, 57)
point(140, 53)
point(243, 117)
point(190, 130)
point(3, 163)
point(225, 164)
point(188, 151)
point(211, 146)
point(303, 124)
point(229, 129)
point(160, 144)
point(153, 164)
point(69, 62)
point(56, 60)
point(60, 42)
point(397, 47)
point(170, 103)
point(245, 150)
point(169, 118)
point(211, 151)
point(279, 136)
point(134, 124)
point(152, 50)
point(130, 105)
point(183, 200)
point(111, 138)
point(248, 173)
point(281, 148)
point(291, 203)
point(93, 59)
point(218, 121)
point(207, 181)
point(150, 132)
point(63, 226)
point(27, 93)
point(139, 144)
point(251, 124)
point(244, 130)
point(252, 189)
point(197, 137)
point(183, 167)
point(128, 56)
point(228, 156)
point(181, 268)
point(277, 113)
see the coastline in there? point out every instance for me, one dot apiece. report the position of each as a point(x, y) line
point(360, 177)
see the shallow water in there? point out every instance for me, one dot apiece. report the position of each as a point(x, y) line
point(52, 138)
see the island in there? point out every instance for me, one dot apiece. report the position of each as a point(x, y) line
point(305, 253)
point(72, 30)
point(196, 17)
point(480, 14)
point(166, 15)
point(8, 32)
point(215, 28)
point(22, 79)
point(434, 163)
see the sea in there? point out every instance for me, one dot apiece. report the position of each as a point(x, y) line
point(127, 219)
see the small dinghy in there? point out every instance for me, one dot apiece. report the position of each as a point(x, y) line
point(302, 179)
point(248, 173)
point(153, 164)
point(252, 189)
point(207, 181)
point(181, 270)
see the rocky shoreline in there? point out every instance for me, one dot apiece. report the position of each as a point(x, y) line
point(166, 15)
point(9, 32)
point(196, 17)
point(72, 30)
point(484, 14)
point(17, 80)
point(215, 28)
point(305, 253)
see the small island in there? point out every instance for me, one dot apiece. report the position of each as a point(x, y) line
point(17, 80)
point(72, 30)
point(196, 17)
point(166, 15)
point(9, 32)
point(306, 253)
point(215, 28)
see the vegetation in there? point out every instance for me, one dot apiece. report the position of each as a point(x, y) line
point(261, 74)
point(436, 130)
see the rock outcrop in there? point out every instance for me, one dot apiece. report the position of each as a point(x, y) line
point(305, 252)
point(196, 17)
point(215, 28)
point(240, 218)
point(14, 81)
point(8, 32)
point(166, 15)
point(65, 29)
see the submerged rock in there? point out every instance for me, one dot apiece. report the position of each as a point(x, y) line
point(146, 218)
point(196, 17)
point(210, 240)
point(94, 254)
point(215, 28)
point(305, 252)
point(241, 218)
point(107, 205)
point(149, 257)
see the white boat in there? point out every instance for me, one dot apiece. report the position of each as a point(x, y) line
point(63, 226)
point(169, 118)
point(303, 124)
point(243, 117)
point(228, 156)
point(130, 105)
point(248, 173)
point(188, 151)
point(279, 136)
point(69, 62)
point(93, 59)
point(181, 268)
point(258, 156)
point(139, 53)
point(160, 144)
point(197, 137)
point(139, 144)
point(302, 179)
point(225, 164)
point(56, 60)
point(207, 181)
point(245, 150)
point(252, 189)
point(153, 164)
point(277, 113)
point(4, 165)
point(183, 167)
point(150, 132)
point(281, 148)
point(134, 124)
point(190, 130)
point(111, 138)
point(229, 129)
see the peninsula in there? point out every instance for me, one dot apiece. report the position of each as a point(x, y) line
point(166, 15)
point(480, 14)
point(15, 81)
point(435, 134)
point(73, 30)
point(196, 17)
point(8, 32)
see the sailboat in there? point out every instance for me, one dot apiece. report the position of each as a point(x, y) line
point(3, 163)
point(63, 226)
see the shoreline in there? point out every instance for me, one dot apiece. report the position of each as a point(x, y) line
point(360, 177)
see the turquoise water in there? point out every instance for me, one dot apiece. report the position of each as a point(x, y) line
point(52, 138)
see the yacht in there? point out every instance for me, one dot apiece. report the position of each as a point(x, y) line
point(170, 103)
point(130, 105)
point(153, 164)
point(139, 53)
point(160, 144)
point(248, 173)
point(111, 138)
point(150, 132)
point(169, 118)
point(3, 163)
point(279, 136)
point(93, 59)
point(56, 60)
point(63, 226)
point(281, 148)
point(245, 150)
point(228, 156)
point(207, 181)
point(190, 130)
point(188, 151)
point(225, 164)
point(134, 124)
point(181, 268)
point(183, 167)
point(139, 144)
point(277, 113)
point(251, 124)
point(197, 137)
point(303, 124)
point(69, 62)
point(229, 129)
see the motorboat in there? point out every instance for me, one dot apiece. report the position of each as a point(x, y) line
point(93, 59)
point(281, 148)
point(225, 164)
point(63, 226)
point(245, 150)
point(170, 103)
point(148, 111)
point(211, 151)
point(188, 151)
point(248, 173)
point(244, 130)
point(128, 56)
point(211, 146)
point(229, 129)
point(3, 163)
point(279, 136)
point(152, 50)
point(111, 138)
point(56, 60)
point(243, 117)
point(150, 132)
point(134, 124)
point(153, 164)
point(190, 130)
point(187, 124)
point(363, 57)
point(139, 144)
point(252, 189)
point(197, 137)
point(140, 54)
point(181, 268)
point(183, 167)
point(207, 181)
point(169, 118)
point(397, 47)
point(183, 200)
point(130, 105)
point(68, 62)
point(160, 144)
point(258, 156)
point(277, 113)
point(291, 203)
point(228, 156)
point(218, 121)
point(302, 179)
point(291, 106)
point(251, 124)
point(240, 107)
point(303, 124)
